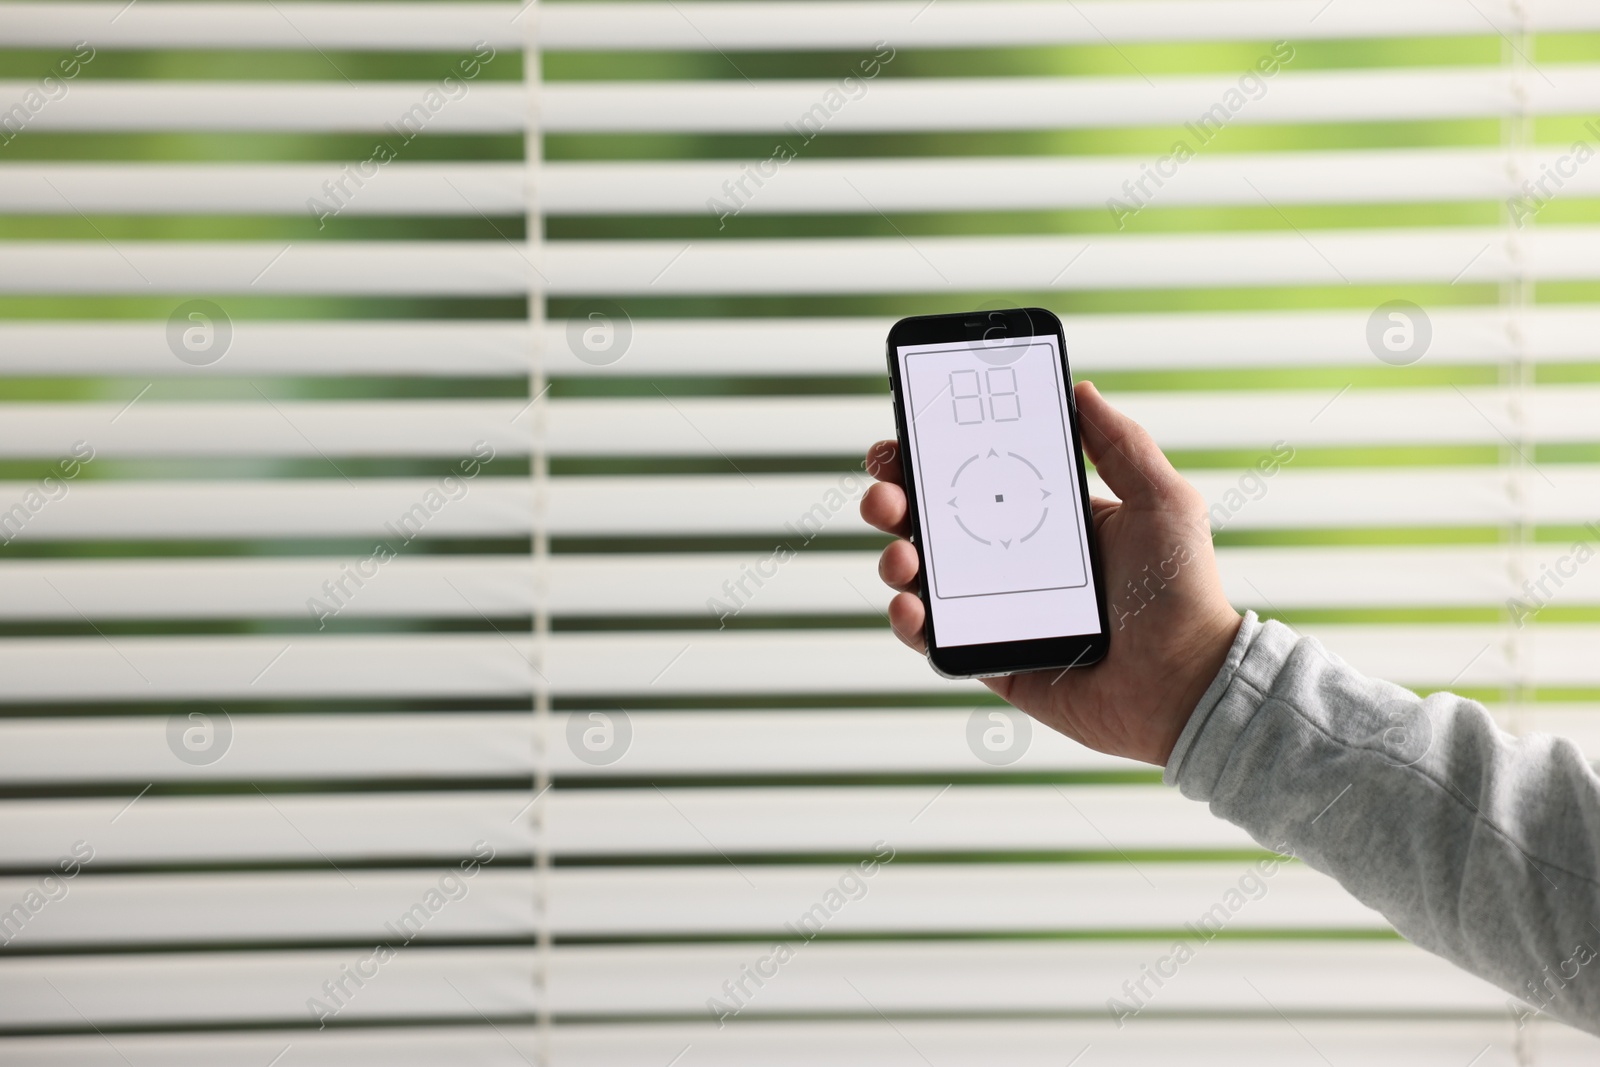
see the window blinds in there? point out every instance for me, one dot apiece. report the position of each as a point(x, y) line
point(437, 626)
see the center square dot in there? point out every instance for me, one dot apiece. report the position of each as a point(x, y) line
point(999, 498)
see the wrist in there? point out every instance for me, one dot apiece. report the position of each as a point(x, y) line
point(1205, 658)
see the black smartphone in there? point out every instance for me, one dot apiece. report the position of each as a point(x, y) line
point(994, 475)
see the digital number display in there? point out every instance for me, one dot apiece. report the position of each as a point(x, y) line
point(989, 396)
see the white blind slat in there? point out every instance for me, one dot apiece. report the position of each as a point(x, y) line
point(326, 747)
point(690, 661)
point(468, 430)
point(589, 902)
point(465, 348)
point(752, 426)
point(374, 107)
point(777, 820)
point(358, 26)
point(399, 268)
point(764, 107)
point(1430, 175)
point(647, 584)
point(1371, 978)
point(225, 988)
point(908, 24)
point(1028, 264)
point(1095, 343)
point(827, 25)
point(851, 1043)
point(450, 189)
point(307, 829)
point(335, 747)
point(371, 507)
point(757, 347)
point(186, 909)
point(1025, 103)
point(762, 504)
point(854, 186)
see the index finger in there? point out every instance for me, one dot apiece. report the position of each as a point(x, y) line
point(883, 462)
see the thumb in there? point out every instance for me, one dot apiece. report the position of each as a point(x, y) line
point(1123, 452)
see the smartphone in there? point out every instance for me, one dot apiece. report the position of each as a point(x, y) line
point(999, 504)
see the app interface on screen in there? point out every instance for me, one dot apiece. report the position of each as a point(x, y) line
point(997, 482)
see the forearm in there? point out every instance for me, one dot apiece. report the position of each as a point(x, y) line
point(1476, 845)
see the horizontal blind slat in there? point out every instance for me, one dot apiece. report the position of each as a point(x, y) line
point(1095, 343)
point(666, 663)
point(267, 508)
point(866, 661)
point(1252, 419)
point(360, 905)
point(990, 183)
point(318, 746)
point(909, 24)
point(800, 505)
point(219, 987)
point(921, 898)
point(470, 348)
point(467, 586)
point(280, 667)
point(1208, 1042)
point(652, 584)
point(364, 1046)
point(671, 821)
point(331, 747)
point(398, 110)
point(356, 26)
point(1298, 577)
point(374, 268)
point(898, 741)
point(1373, 978)
point(686, 901)
point(448, 189)
point(1029, 103)
point(857, 820)
point(1451, 255)
point(1426, 175)
point(704, 26)
point(1091, 102)
point(767, 426)
point(1378, 978)
point(308, 828)
point(472, 430)
point(779, 346)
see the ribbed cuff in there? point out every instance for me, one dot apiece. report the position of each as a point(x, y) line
point(1237, 692)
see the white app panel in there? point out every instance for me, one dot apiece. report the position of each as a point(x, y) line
point(998, 493)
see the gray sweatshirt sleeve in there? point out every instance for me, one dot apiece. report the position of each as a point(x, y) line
point(1478, 846)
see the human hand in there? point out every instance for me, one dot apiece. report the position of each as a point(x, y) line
point(1171, 625)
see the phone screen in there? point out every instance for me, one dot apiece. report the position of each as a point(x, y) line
point(1000, 513)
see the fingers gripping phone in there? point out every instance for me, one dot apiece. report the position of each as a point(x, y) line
point(999, 505)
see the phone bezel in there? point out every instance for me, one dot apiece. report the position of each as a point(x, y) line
point(1001, 657)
